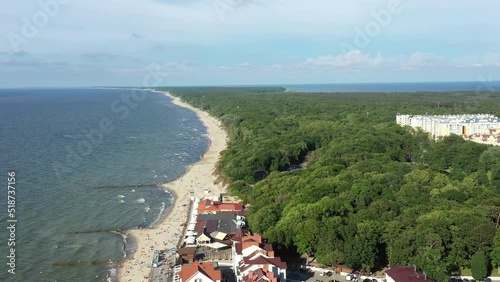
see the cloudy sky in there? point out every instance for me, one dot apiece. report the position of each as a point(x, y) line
point(234, 42)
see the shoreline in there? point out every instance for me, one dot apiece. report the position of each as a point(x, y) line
point(198, 177)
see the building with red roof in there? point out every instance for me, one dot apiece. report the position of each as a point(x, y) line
point(251, 254)
point(198, 271)
point(405, 274)
point(260, 275)
point(208, 206)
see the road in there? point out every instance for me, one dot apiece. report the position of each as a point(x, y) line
point(313, 276)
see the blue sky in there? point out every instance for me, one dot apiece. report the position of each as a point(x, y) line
point(225, 42)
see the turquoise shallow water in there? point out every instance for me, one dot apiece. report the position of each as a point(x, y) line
point(51, 139)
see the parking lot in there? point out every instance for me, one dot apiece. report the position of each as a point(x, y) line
point(314, 276)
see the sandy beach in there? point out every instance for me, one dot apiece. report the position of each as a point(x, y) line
point(198, 177)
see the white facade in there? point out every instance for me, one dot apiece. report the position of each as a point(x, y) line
point(444, 125)
point(388, 278)
point(241, 269)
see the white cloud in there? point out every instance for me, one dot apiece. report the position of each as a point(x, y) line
point(81, 22)
point(285, 37)
point(491, 59)
point(420, 59)
point(354, 59)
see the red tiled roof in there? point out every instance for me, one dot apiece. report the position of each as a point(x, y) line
point(260, 275)
point(206, 205)
point(406, 274)
point(264, 260)
point(213, 206)
point(186, 251)
point(256, 238)
point(200, 226)
point(230, 207)
point(189, 270)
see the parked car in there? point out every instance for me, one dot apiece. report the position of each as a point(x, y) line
point(328, 273)
point(352, 277)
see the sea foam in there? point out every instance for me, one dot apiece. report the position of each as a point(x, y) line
point(140, 201)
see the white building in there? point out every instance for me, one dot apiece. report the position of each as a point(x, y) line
point(250, 254)
point(198, 272)
point(444, 125)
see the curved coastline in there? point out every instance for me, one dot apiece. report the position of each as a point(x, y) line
point(198, 177)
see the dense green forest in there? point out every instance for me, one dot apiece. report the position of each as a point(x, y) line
point(347, 185)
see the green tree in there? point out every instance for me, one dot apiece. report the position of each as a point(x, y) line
point(263, 219)
point(489, 158)
point(372, 190)
point(430, 260)
point(332, 258)
point(479, 266)
point(495, 253)
point(230, 120)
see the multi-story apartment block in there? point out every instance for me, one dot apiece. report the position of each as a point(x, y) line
point(467, 126)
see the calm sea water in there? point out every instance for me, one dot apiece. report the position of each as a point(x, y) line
point(398, 87)
point(64, 143)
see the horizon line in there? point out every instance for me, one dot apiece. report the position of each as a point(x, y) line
point(249, 85)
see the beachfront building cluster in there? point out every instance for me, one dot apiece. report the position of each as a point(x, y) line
point(216, 232)
point(208, 206)
point(253, 259)
point(481, 128)
point(212, 223)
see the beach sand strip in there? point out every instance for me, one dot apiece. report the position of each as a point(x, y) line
point(199, 176)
